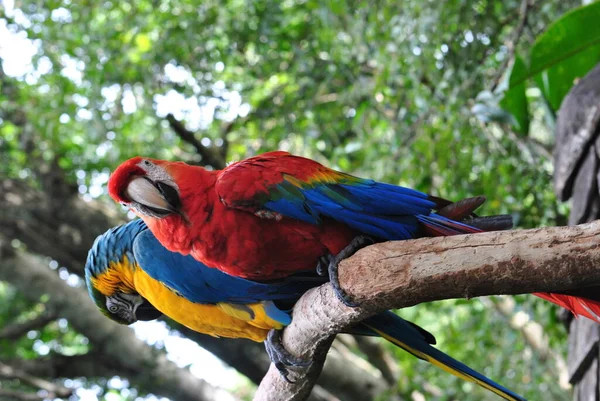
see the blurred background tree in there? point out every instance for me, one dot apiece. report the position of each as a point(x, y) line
point(403, 92)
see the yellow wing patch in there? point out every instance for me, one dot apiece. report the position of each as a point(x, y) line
point(242, 312)
point(219, 320)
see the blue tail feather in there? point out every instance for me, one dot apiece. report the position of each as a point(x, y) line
point(398, 331)
point(445, 226)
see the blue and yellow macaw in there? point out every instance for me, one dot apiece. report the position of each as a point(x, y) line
point(131, 276)
point(128, 273)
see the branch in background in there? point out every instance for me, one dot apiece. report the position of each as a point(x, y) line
point(54, 390)
point(62, 228)
point(533, 333)
point(210, 155)
point(378, 356)
point(341, 376)
point(147, 368)
point(349, 377)
point(405, 273)
point(16, 330)
point(514, 40)
point(6, 394)
point(54, 365)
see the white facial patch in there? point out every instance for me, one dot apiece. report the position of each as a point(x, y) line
point(157, 173)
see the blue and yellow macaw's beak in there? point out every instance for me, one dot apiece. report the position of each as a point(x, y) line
point(130, 308)
point(107, 264)
point(121, 307)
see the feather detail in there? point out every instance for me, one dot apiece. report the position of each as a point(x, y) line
point(461, 209)
point(436, 225)
point(491, 223)
point(399, 332)
point(276, 214)
point(579, 306)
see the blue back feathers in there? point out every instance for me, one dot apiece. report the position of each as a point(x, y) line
point(382, 210)
point(112, 246)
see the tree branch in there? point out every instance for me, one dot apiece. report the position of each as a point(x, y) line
point(8, 372)
point(404, 273)
point(24, 215)
point(210, 156)
point(341, 377)
point(16, 330)
point(6, 394)
point(378, 356)
point(514, 40)
point(55, 365)
point(62, 227)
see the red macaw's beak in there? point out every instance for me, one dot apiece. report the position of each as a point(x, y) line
point(160, 198)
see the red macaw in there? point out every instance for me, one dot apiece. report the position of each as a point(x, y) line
point(276, 214)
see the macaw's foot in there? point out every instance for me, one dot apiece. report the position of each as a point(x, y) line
point(357, 243)
point(281, 357)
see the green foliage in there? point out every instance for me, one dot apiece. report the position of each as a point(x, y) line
point(383, 92)
point(566, 51)
point(462, 328)
point(514, 98)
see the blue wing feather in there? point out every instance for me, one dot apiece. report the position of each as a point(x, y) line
point(381, 210)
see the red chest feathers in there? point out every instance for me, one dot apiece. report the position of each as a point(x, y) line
point(245, 245)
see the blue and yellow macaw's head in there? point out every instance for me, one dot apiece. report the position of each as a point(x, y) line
point(109, 272)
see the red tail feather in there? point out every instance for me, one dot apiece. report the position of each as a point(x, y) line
point(577, 305)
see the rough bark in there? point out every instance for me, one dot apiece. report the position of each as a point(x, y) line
point(405, 273)
point(146, 367)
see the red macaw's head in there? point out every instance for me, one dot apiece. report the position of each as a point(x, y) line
point(146, 186)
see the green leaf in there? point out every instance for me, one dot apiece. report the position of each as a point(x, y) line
point(143, 43)
point(568, 49)
point(514, 100)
